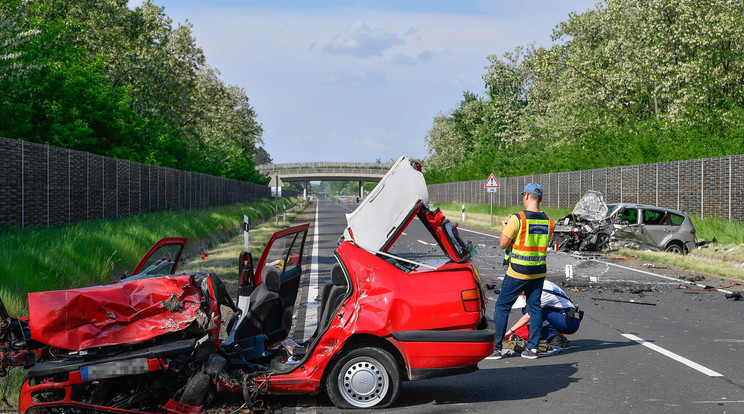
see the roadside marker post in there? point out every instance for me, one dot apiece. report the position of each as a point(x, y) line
point(492, 186)
point(246, 228)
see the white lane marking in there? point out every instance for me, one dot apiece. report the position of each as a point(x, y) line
point(426, 243)
point(670, 354)
point(341, 205)
point(717, 402)
point(654, 274)
point(311, 312)
point(477, 232)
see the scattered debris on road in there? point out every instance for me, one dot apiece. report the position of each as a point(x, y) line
point(633, 301)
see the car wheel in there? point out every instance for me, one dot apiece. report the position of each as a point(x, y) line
point(196, 389)
point(675, 247)
point(364, 377)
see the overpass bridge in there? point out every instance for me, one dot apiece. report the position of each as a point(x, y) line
point(327, 171)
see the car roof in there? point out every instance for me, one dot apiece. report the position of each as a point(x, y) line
point(645, 206)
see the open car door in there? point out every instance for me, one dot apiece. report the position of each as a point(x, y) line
point(284, 252)
point(162, 259)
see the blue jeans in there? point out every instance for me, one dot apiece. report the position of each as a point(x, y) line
point(557, 323)
point(510, 290)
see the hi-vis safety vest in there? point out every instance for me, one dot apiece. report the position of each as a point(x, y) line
point(528, 252)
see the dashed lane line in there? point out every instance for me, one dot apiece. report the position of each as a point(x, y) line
point(676, 357)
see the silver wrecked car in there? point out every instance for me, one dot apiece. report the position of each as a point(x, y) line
point(594, 225)
point(639, 226)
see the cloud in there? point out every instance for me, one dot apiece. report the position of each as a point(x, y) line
point(424, 56)
point(362, 41)
point(403, 60)
point(368, 78)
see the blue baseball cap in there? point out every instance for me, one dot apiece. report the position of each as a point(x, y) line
point(533, 188)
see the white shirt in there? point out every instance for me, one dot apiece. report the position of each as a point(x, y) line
point(547, 298)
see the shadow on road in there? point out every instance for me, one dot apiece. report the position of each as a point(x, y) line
point(492, 384)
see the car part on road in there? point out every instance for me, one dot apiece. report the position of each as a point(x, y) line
point(633, 301)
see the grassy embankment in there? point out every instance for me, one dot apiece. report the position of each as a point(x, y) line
point(725, 258)
point(91, 253)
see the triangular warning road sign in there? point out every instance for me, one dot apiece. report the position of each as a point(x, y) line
point(491, 182)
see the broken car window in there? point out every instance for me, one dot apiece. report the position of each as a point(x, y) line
point(162, 261)
point(676, 219)
point(629, 214)
point(653, 217)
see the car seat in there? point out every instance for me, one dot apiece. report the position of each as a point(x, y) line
point(335, 296)
point(266, 313)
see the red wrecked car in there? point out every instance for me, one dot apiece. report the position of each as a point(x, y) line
point(151, 343)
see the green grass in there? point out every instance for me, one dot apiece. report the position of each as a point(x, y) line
point(85, 254)
point(723, 231)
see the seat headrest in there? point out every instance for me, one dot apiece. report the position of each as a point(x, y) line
point(270, 277)
point(337, 275)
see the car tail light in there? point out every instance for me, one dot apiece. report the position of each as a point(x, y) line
point(471, 300)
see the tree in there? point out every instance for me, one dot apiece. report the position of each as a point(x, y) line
point(262, 157)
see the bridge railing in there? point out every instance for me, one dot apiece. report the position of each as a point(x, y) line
point(325, 167)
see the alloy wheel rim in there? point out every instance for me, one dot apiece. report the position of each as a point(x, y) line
point(363, 382)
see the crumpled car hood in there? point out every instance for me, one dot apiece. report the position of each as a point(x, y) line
point(591, 207)
point(120, 313)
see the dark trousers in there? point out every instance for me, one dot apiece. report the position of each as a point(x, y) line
point(554, 323)
point(510, 290)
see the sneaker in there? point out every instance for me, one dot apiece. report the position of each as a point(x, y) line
point(559, 341)
point(529, 353)
point(496, 354)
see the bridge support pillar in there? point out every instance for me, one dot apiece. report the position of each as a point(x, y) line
point(361, 189)
point(304, 191)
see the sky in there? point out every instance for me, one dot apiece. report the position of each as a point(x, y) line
point(359, 80)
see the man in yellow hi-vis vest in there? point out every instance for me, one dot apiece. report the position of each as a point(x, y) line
point(525, 238)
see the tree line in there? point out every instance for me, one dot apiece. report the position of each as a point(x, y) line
point(626, 82)
point(96, 76)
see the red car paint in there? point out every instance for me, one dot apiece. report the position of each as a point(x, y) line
point(122, 313)
point(421, 314)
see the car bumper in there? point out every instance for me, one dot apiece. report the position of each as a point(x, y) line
point(432, 351)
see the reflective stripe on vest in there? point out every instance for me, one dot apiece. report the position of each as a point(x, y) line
point(529, 250)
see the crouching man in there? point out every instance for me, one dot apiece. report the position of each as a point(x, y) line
point(560, 316)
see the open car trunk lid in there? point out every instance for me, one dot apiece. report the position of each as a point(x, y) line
point(375, 224)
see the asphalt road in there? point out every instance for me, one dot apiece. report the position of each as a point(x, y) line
point(645, 344)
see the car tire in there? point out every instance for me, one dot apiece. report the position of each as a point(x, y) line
point(364, 377)
point(196, 389)
point(676, 248)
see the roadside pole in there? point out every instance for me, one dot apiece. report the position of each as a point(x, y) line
point(276, 200)
point(491, 186)
point(491, 194)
